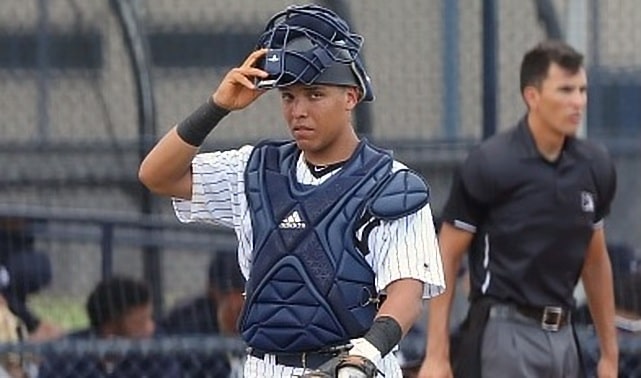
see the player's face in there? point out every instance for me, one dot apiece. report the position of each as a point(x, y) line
point(229, 307)
point(560, 100)
point(319, 119)
point(137, 323)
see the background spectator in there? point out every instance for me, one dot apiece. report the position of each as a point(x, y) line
point(215, 312)
point(12, 330)
point(118, 307)
point(24, 271)
point(626, 271)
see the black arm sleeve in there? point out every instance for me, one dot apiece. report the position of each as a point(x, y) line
point(604, 174)
point(195, 128)
point(384, 334)
point(469, 194)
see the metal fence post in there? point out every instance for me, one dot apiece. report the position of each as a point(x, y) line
point(490, 77)
point(138, 48)
point(106, 249)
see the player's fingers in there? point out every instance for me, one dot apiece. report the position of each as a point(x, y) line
point(237, 76)
point(254, 72)
point(251, 60)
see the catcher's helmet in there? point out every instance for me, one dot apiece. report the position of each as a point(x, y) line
point(310, 44)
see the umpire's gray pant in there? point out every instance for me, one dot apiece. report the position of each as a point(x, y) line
point(515, 346)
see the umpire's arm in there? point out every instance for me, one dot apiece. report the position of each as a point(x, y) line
point(597, 281)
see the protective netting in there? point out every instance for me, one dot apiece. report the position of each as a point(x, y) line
point(72, 136)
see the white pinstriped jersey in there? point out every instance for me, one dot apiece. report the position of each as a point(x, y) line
point(404, 248)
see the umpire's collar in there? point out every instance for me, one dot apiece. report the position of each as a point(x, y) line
point(528, 150)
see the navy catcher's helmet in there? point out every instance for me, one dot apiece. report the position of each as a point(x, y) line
point(310, 44)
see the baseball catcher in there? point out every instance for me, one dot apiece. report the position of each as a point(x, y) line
point(327, 223)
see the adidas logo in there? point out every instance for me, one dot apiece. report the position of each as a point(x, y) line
point(292, 221)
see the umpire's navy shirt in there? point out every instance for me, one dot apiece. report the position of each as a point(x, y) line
point(532, 219)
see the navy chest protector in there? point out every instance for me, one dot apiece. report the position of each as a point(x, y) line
point(310, 286)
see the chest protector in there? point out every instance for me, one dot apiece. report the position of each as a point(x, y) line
point(310, 286)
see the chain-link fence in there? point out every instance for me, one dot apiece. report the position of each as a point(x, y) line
point(88, 86)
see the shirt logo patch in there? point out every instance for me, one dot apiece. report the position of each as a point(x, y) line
point(587, 202)
point(292, 221)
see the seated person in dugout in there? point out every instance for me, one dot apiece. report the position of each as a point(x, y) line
point(626, 273)
point(118, 307)
point(12, 330)
point(215, 312)
point(23, 272)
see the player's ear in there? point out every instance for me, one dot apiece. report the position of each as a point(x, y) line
point(531, 96)
point(353, 95)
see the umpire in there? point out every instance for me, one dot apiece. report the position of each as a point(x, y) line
point(529, 205)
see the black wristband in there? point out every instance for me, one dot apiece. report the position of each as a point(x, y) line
point(384, 334)
point(195, 128)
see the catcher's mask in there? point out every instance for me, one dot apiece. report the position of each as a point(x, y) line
point(310, 44)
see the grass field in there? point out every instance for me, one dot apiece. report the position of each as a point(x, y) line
point(66, 312)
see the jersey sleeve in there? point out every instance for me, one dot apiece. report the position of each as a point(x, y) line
point(218, 189)
point(604, 173)
point(407, 248)
point(471, 191)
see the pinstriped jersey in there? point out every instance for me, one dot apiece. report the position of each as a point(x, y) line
point(403, 248)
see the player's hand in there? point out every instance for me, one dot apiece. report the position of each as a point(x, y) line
point(237, 89)
point(344, 366)
point(435, 368)
point(46, 331)
point(354, 366)
point(359, 362)
point(607, 368)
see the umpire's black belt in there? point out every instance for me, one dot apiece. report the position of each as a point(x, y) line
point(308, 360)
point(549, 318)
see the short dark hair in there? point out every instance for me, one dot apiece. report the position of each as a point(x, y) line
point(536, 62)
point(224, 273)
point(114, 297)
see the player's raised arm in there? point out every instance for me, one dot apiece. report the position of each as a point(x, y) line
point(166, 170)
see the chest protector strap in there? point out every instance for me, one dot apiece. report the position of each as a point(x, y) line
point(310, 287)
